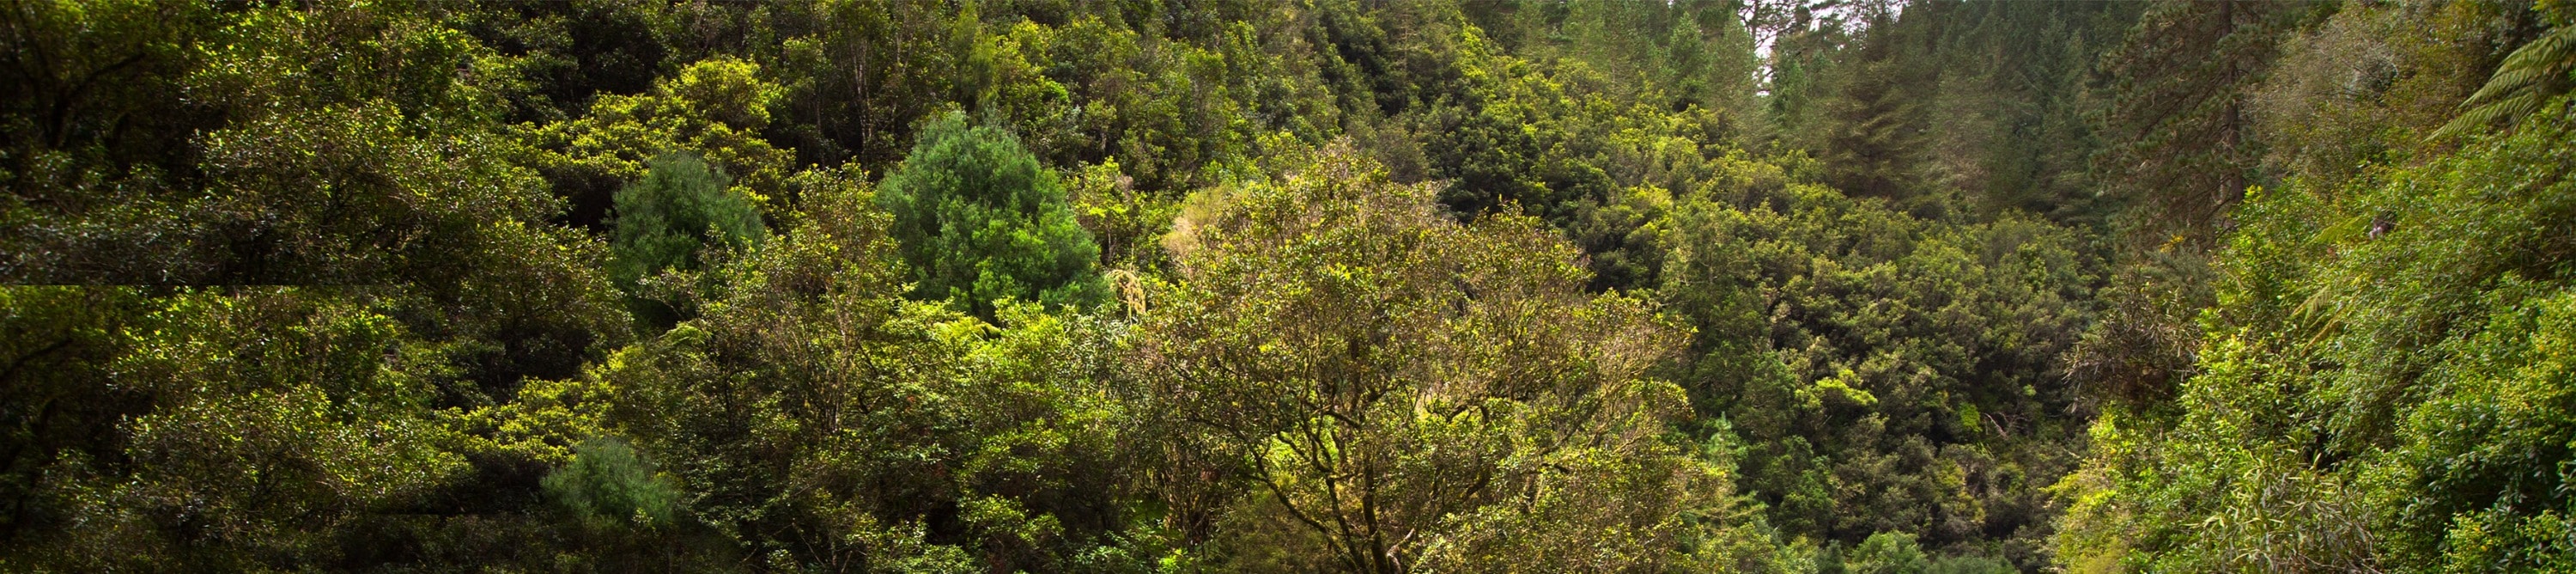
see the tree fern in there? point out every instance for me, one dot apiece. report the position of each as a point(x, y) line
point(2533, 74)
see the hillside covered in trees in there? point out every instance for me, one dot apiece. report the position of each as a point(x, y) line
point(1178, 286)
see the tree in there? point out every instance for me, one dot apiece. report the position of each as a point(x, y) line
point(1870, 136)
point(664, 218)
point(1411, 392)
point(268, 420)
point(979, 221)
point(799, 409)
point(607, 483)
point(2176, 91)
point(819, 420)
point(343, 159)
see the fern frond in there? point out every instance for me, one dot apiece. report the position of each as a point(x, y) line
point(2507, 109)
point(2529, 76)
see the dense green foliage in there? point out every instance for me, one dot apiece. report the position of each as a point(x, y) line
point(2525, 81)
point(1923, 286)
point(979, 222)
point(1887, 374)
point(2385, 382)
point(605, 482)
point(1415, 393)
point(664, 218)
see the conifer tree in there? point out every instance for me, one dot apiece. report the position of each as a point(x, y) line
point(663, 219)
point(979, 220)
point(2177, 91)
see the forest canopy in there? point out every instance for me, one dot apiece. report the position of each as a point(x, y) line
point(1796, 286)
